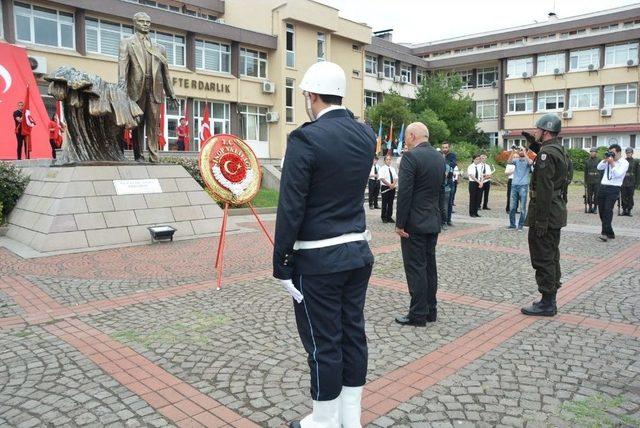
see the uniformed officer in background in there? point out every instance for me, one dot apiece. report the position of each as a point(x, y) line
point(630, 182)
point(592, 177)
point(321, 253)
point(547, 213)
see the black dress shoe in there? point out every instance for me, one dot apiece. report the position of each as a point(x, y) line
point(486, 208)
point(391, 220)
point(405, 320)
point(611, 236)
point(294, 424)
point(376, 208)
point(432, 316)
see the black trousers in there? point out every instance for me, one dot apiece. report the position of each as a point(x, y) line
point(419, 258)
point(545, 259)
point(387, 202)
point(22, 143)
point(374, 190)
point(52, 143)
point(509, 195)
point(330, 322)
point(607, 197)
point(592, 194)
point(475, 196)
point(485, 194)
point(626, 194)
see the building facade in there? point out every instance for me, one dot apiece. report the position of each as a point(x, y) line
point(244, 59)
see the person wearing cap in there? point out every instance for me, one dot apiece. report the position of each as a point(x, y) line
point(547, 213)
point(592, 177)
point(321, 254)
point(630, 182)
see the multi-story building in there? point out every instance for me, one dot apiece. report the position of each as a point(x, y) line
point(242, 59)
point(245, 60)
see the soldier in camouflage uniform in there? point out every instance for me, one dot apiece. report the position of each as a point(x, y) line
point(631, 181)
point(547, 213)
point(592, 177)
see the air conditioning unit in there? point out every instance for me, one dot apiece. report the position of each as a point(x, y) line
point(405, 79)
point(272, 117)
point(525, 75)
point(220, 21)
point(591, 67)
point(631, 62)
point(380, 75)
point(268, 87)
point(38, 64)
point(556, 71)
point(494, 83)
point(397, 79)
point(605, 112)
point(567, 114)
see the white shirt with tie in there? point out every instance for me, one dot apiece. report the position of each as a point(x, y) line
point(613, 176)
point(388, 173)
point(374, 171)
point(474, 172)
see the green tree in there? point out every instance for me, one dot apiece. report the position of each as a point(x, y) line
point(393, 108)
point(443, 96)
point(438, 130)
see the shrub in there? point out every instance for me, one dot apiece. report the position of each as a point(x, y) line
point(464, 151)
point(578, 157)
point(190, 164)
point(12, 185)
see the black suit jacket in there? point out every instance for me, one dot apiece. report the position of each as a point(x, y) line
point(326, 168)
point(419, 185)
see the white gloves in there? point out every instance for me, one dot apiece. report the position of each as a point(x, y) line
point(289, 288)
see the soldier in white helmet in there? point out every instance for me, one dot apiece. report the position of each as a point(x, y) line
point(322, 256)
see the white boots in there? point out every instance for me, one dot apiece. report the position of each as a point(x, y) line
point(343, 411)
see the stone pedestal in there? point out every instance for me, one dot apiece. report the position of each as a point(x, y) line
point(76, 207)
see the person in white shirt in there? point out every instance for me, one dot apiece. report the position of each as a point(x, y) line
point(614, 167)
point(474, 174)
point(374, 185)
point(487, 171)
point(388, 183)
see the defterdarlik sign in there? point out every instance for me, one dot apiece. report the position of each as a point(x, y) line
point(201, 85)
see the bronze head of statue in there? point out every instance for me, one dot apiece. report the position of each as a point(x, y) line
point(142, 22)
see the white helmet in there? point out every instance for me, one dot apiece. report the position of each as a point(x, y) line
point(325, 78)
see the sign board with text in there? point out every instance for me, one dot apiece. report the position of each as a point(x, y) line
point(137, 187)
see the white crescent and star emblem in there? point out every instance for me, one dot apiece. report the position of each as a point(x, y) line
point(225, 167)
point(6, 76)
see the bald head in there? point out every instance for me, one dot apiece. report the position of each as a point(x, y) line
point(416, 133)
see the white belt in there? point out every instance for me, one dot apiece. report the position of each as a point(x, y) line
point(321, 243)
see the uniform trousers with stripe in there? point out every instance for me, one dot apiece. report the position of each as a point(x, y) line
point(330, 322)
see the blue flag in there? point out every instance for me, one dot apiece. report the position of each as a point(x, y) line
point(401, 139)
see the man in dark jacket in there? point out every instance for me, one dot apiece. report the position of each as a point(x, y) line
point(547, 213)
point(321, 254)
point(592, 179)
point(630, 182)
point(418, 221)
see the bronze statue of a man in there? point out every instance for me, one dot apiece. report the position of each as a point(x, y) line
point(144, 72)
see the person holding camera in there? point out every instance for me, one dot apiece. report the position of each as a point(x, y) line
point(615, 168)
point(547, 212)
point(519, 186)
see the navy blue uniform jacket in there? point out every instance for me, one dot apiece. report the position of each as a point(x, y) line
point(325, 171)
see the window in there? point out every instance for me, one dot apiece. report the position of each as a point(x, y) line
point(493, 139)
point(421, 75)
point(253, 63)
point(547, 64)
point(584, 98)
point(253, 123)
point(515, 67)
point(574, 33)
point(487, 110)
point(544, 37)
point(579, 142)
point(322, 47)
point(291, 49)
point(213, 56)
point(405, 72)
point(520, 102)
point(619, 54)
point(288, 95)
point(43, 26)
point(605, 28)
point(370, 99)
point(466, 76)
point(487, 77)
point(173, 44)
point(218, 119)
point(371, 65)
point(172, 121)
point(581, 60)
point(550, 100)
point(620, 95)
point(104, 37)
point(389, 68)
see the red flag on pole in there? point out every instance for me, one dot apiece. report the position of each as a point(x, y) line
point(205, 127)
point(186, 118)
point(60, 127)
point(161, 139)
point(27, 122)
point(127, 138)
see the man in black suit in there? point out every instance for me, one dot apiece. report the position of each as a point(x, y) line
point(418, 222)
point(321, 254)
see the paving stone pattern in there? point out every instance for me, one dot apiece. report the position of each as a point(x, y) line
point(45, 382)
point(8, 307)
point(549, 375)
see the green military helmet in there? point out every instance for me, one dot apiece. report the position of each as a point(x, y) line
point(549, 122)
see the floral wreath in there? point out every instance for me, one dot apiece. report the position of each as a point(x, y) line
point(236, 188)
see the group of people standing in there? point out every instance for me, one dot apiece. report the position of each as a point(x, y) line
point(479, 173)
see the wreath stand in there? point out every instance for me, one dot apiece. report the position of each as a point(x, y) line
point(223, 235)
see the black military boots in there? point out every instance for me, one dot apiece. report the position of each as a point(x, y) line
point(546, 307)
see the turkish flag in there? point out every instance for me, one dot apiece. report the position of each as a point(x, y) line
point(205, 127)
point(61, 126)
point(15, 76)
point(186, 118)
point(128, 139)
point(161, 140)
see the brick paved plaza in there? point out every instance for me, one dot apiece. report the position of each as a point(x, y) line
point(139, 336)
